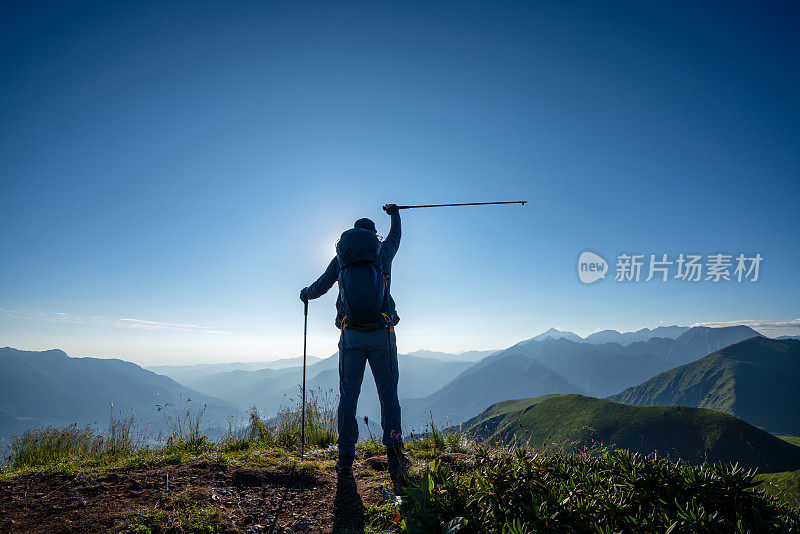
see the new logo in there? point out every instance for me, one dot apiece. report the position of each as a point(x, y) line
point(591, 267)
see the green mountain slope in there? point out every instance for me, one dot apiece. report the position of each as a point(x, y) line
point(701, 340)
point(514, 375)
point(693, 434)
point(757, 380)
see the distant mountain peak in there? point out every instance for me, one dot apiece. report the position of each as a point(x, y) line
point(555, 333)
point(643, 334)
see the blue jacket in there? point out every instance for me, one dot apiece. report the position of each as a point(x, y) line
point(389, 248)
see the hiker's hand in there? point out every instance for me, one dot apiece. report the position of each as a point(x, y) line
point(304, 294)
point(391, 209)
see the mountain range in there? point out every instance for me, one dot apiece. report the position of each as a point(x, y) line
point(50, 388)
point(467, 356)
point(757, 380)
point(187, 374)
point(692, 434)
point(542, 366)
point(269, 391)
point(613, 336)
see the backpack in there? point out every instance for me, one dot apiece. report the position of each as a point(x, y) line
point(362, 286)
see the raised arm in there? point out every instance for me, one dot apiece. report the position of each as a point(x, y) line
point(323, 283)
point(392, 241)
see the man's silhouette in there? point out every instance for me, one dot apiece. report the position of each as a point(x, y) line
point(365, 313)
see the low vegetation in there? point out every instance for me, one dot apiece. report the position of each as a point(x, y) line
point(498, 486)
point(53, 445)
point(601, 491)
point(86, 451)
point(784, 486)
point(175, 514)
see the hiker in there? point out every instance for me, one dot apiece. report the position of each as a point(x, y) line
point(365, 313)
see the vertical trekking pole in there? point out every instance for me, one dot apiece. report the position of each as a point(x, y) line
point(303, 415)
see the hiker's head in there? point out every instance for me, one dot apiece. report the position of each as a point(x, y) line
point(365, 224)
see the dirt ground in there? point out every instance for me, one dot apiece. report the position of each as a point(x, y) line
point(253, 499)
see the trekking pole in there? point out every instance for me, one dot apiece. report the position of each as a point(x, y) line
point(523, 202)
point(303, 410)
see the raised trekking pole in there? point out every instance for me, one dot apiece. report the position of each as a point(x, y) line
point(523, 202)
point(303, 409)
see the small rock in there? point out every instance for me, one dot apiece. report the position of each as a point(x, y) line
point(255, 529)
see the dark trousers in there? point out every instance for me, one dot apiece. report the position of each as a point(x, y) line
point(379, 348)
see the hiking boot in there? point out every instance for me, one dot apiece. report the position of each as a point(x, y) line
point(398, 469)
point(344, 466)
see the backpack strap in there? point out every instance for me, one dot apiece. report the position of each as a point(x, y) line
point(385, 298)
point(388, 322)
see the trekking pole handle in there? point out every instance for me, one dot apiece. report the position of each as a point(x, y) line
point(305, 307)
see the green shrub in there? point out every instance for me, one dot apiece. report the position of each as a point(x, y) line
point(456, 441)
point(259, 431)
point(605, 491)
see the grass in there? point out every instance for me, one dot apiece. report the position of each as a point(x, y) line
point(784, 486)
point(435, 441)
point(52, 445)
point(370, 446)
point(175, 514)
point(94, 466)
point(285, 430)
point(184, 424)
point(48, 446)
point(87, 452)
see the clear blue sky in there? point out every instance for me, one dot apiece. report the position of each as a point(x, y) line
point(172, 173)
